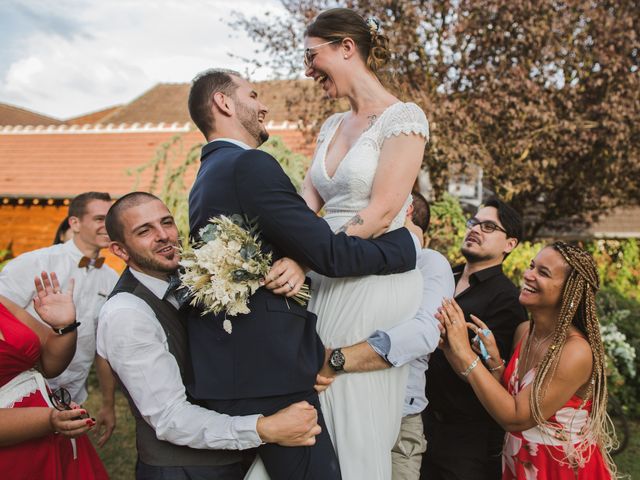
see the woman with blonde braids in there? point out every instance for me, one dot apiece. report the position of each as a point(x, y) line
point(553, 402)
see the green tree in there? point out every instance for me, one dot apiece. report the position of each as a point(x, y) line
point(173, 159)
point(542, 95)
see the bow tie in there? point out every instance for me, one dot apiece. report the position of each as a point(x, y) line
point(180, 293)
point(86, 262)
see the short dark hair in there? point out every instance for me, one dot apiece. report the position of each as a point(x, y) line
point(510, 219)
point(62, 229)
point(78, 206)
point(203, 87)
point(113, 222)
point(421, 211)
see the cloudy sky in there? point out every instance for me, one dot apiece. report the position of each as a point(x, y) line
point(69, 57)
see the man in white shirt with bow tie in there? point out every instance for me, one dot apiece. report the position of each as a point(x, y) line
point(79, 259)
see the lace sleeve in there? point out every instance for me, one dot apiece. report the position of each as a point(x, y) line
point(327, 126)
point(404, 119)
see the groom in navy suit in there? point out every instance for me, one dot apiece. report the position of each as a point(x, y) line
point(271, 358)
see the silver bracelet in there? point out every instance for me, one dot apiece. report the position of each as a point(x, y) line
point(502, 364)
point(473, 365)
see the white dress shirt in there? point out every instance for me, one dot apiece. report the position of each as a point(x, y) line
point(92, 287)
point(412, 341)
point(134, 343)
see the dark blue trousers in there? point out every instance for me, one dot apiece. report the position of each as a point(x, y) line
point(198, 472)
point(318, 462)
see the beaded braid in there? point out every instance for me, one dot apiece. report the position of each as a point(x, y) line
point(578, 308)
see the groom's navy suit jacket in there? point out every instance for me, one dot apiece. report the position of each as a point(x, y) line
point(273, 350)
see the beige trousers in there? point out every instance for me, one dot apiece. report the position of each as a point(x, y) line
point(406, 455)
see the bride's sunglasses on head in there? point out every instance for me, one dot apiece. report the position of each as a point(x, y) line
point(308, 52)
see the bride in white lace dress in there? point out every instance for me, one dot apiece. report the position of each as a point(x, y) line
point(364, 166)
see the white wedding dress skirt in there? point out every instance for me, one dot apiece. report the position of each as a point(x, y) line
point(362, 411)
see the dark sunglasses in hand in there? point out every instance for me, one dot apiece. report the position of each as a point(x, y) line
point(487, 226)
point(61, 400)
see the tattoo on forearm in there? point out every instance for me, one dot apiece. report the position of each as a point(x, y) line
point(356, 220)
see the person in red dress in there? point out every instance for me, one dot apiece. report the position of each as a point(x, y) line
point(41, 437)
point(553, 398)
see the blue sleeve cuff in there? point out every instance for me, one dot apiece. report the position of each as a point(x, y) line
point(381, 343)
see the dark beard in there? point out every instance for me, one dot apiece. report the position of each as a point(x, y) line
point(249, 120)
point(149, 263)
point(471, 257)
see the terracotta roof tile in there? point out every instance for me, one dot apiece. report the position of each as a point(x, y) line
point(10, 115)
point(94, 117)
point(167, 102)
point(61, 165)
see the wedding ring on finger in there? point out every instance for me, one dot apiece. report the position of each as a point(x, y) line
point(291, 287)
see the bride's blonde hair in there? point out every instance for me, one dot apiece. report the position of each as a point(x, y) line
point(337, 24)
point(578, 308)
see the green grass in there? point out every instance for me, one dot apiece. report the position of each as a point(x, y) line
point(628, 462)
point(119, 454)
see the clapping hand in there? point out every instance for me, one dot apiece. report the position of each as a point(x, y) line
point(53, 305)
point(452, 319)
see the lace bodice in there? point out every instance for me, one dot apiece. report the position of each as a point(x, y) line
point(349, 190)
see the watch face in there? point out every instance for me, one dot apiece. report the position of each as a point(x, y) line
point(337, 359)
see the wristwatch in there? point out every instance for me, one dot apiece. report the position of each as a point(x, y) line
point(69, 328)
point(336, 360)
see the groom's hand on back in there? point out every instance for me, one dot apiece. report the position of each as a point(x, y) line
point(294, 426)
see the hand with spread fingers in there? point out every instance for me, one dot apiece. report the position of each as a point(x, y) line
point(53, 305)
point(286, 277)
point(457, 329)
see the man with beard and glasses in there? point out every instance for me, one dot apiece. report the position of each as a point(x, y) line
point(273, 354)
point(142, 335)
point(463, 441)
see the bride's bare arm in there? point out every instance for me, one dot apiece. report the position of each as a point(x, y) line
point(311, 195)
point(398, 167)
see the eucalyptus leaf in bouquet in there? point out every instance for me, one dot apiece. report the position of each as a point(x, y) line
point(225, 268)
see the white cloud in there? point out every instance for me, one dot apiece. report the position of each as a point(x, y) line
point(99, 53)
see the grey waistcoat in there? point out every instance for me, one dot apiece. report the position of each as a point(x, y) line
point(151, 450)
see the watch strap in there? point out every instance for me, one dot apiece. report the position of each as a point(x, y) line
point(69, 328)
point(336, 360)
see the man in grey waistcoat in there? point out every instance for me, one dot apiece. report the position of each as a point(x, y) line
point(141, 333)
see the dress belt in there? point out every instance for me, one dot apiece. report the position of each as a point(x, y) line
point(21, 386)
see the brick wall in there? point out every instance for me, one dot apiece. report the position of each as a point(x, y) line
point(32, 227)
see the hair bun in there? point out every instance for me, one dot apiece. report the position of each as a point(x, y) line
point(379, 53)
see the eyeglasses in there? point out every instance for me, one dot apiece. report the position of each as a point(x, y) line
point(61, 400)
point(308, 57)
point(487, 226)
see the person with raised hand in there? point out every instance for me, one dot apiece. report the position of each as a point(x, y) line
point(42, 432)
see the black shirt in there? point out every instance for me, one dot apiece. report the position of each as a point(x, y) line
point(493, 298)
